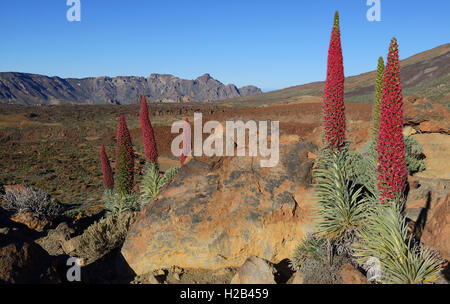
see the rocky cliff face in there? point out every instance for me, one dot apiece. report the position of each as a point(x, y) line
point(28, 89)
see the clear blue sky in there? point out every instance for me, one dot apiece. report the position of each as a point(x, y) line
point(271, 44)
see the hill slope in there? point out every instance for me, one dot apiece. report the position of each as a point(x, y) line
point(28, 89)
point(426, 74)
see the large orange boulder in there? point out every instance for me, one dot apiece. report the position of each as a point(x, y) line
point(437, 228)
point(219, 211)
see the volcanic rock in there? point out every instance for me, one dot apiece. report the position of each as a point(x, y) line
point(218, 211)
point(437, 228)
point(255, 271)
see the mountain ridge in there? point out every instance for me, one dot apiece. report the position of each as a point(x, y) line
point(426, 73)
point(28, 89)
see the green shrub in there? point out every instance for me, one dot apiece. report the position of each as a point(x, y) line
point(414, 155)
point(311, 247)
point(342, 208)
point(152, 181)
point(361, 168)
point(385, 239)
point(362, 165)
point(117, 203)
point(103, 236)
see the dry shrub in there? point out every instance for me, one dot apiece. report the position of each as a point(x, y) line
point(31, 200)
point(103, 236)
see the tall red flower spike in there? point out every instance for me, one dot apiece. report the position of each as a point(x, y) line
point(185, 143)
point(151, 152)
point(333, 95)
point(108, 179)
point(391, 171)
point(124, 158)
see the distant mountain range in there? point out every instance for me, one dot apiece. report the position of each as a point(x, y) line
point(426, 74)
point(29, 89)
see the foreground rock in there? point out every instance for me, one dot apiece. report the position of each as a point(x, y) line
point(25, 262)
point(56, 241)
point(435, 148)
point(219, 211)
point(425, 115)
point(255, 271)
point(31, 221)
point(351, 275)
point(437, 228)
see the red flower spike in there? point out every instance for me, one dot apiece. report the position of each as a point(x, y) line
point(391, 171)
point(151, 151)
point(124, 158)
point(333, 96)
point(108, 179)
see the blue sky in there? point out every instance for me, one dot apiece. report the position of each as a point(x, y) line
point(271, 44)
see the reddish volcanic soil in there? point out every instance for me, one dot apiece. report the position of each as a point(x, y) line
point(55, 148)
point(301, 119)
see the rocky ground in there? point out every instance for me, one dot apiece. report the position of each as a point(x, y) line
point(222, 220)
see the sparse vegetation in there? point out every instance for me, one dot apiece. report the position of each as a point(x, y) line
point(385, 237)
point(108, 179)
point(311, 247)
point(152, 181)
point(414, 156)
point(391, 170)
point(369, 225)
point(104, 235)
point(118, 203)
point(151, 151)
point(124, 159)
point(333, 96)
point(31, 200)
point(378, 96)
point(359, 210)
point(361, 166)
point(342, 209)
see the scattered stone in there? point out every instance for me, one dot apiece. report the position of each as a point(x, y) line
point(351, 275)
point(4, 230)
point(31, 221)
point(408, 130)
point(57, 240)
point(152, 280)
point(177, 270)
point(255, 271)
